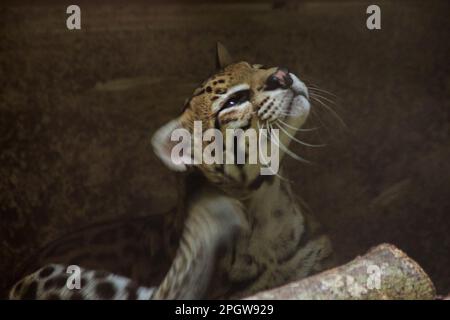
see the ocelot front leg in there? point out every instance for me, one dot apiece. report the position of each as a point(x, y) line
point(212, 223)
point(211, 229)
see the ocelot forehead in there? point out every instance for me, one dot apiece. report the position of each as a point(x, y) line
point(219, 82)
point(213, 88)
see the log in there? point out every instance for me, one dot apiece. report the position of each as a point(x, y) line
point(385, 272)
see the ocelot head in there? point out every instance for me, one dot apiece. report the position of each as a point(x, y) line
point(268, 104)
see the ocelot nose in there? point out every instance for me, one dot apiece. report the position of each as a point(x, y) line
point(280, 79)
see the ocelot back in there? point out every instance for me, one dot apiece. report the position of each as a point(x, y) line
point(234, 231)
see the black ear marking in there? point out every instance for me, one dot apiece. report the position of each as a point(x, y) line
point(223, 57)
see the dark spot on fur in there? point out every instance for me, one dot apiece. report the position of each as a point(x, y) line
point(44, 273)
point(61, 280)
point(220, 91)
point(50, 283)
point(214, 98)
point(221, 81)
point(56, 282)
point(105, 290)
point(30, 291)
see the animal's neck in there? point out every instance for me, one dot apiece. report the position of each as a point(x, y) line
point(272, 232)
point(272, 196)
point(259, 202)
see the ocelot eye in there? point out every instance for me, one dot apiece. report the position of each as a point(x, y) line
point(237, 98)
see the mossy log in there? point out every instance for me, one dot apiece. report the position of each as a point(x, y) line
point(385, 272)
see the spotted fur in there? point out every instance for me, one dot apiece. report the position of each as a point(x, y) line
point(235, 232)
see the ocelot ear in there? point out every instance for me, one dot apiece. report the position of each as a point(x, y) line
point(223, 57)
point(172, 144)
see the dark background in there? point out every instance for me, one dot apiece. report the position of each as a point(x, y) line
point(77, 110)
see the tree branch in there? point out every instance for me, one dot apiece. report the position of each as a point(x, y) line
point(385, 272)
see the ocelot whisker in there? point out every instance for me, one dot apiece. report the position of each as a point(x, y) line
point(265, 160)
point(289, 152)
point(314, 86)
point(322, 97)
point(334, 113)
point(299, 141)
point(296, 129)
point(315, 114)
point(317, 89)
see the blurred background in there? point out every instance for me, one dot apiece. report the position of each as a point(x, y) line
point(78, 108)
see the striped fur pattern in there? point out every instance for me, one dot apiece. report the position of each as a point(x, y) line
point(214, 223)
